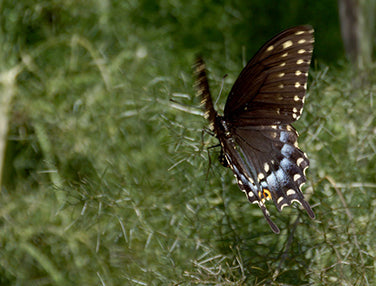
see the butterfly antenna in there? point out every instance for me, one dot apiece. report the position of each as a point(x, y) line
point(220, 91)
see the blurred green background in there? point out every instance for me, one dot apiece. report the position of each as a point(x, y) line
point(106, 181)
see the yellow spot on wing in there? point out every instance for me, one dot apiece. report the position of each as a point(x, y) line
point(270, 48)
point(287, 44)
point(265, 194)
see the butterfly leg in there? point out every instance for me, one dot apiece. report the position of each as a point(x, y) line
point(209, 158)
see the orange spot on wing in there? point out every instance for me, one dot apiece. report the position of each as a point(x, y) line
point(265, 195)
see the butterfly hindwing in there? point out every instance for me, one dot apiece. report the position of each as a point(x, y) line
point(277, 164)
point(246, 177)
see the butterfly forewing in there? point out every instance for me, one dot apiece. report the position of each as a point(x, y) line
point(271, 88)
point(257, 140)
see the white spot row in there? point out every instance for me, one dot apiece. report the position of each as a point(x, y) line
point(305, 169)
point(284, 205)
point(296, 144)
point(280, 199)
point(297, 177)
point(290, 192)
point(299, 161)
point(266, 167)
point(295, 200)
point(260, 176)
point(296, 116)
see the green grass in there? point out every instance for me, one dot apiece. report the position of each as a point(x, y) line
point(108, 182)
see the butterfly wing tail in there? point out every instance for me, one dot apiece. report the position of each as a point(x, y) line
point(272, 225)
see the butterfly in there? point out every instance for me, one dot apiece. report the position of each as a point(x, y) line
point(257, 139)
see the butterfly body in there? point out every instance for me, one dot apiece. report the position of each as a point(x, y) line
point(257, 141)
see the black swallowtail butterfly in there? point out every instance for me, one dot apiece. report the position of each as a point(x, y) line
point(257, 141)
